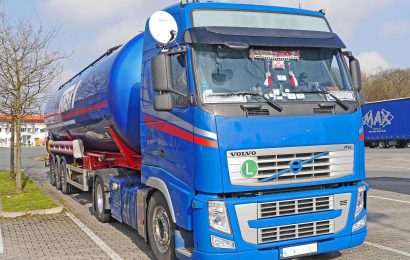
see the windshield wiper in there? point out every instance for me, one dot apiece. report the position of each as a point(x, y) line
point(338, 100)
point(273, 104)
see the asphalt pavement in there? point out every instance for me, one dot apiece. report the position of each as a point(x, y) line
point(76, 234)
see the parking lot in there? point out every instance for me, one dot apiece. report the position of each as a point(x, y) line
point(76, 234)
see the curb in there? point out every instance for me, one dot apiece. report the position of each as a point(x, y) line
point(16, 214)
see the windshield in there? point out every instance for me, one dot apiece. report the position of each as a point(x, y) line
point(225, 75)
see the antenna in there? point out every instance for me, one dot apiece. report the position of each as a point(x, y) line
point(300, 6)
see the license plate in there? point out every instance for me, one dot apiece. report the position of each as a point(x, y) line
point(293, 251)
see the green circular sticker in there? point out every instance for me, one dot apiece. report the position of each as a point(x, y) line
point(249, 168)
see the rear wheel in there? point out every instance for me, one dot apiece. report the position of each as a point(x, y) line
point(52, 171)
point(99, 201)
point(382, 144)
point(373, 144)
point(58, 173)
point(65, 186)
point(401, 144)
point(161, 228)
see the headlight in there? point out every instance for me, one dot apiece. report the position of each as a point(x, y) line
point(218, 217)
point(360, 200)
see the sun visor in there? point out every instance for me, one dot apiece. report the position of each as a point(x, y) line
point(263, 37)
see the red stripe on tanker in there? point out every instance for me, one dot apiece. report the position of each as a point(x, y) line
point(178, 132)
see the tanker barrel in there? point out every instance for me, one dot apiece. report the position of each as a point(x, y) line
point(107, 53)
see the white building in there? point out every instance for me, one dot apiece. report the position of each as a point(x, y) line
point(33, 131)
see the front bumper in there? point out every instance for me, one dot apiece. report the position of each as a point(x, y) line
point(335, 244)
point(341, 238)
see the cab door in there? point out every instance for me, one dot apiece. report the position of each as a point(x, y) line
point(175, 128)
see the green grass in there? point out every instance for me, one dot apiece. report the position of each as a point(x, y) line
point(31, 198)
point(41, 158)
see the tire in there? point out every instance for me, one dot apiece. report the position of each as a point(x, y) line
point(58, 173)
point(161, 228)
point(373, 144)
point(99, 199)
point(52, 171)
point(382, 144)
point(65, 187)
point(401, 144)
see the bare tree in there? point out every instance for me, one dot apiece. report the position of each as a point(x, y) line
point(5, 105)
point(28, 69)
point(387, 84)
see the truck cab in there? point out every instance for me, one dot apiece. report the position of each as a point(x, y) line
point(251, 129)
point(223, 131)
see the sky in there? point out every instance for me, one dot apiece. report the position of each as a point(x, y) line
point(377, 31)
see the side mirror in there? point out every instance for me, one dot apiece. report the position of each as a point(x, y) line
point(356, 73)
point(161, 72)
point(163, 102)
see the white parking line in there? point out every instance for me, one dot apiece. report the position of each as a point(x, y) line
point(382, 198)
point(387, 249)
point(1, 242)
point(94, 238)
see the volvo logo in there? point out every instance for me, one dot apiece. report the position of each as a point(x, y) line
point(296, 166)
point(244, 153)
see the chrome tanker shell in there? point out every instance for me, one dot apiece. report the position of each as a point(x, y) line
point(104, 95)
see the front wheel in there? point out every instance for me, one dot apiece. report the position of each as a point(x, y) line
point(161, 228)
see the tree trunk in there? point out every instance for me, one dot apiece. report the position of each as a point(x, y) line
point(13, 134)
point(19, 186)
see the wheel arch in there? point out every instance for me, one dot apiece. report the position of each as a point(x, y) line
point(160, 185)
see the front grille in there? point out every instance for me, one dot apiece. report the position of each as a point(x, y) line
point(291, 207)
point(273, 164)
point(300, 230)
point(336, 162)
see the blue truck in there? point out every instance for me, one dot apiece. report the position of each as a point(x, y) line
point(386, 123)
point(223, 131)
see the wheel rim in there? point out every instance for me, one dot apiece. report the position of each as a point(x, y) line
point(161, 229)
point(63, 176)
point(99, 198)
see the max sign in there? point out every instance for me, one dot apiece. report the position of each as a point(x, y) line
point(379, 119)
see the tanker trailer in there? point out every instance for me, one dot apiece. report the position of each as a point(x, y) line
point(223, 131)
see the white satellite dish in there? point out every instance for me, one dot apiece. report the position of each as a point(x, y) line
point(161, 24)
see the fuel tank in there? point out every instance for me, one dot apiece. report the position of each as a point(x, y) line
point(105, 94)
